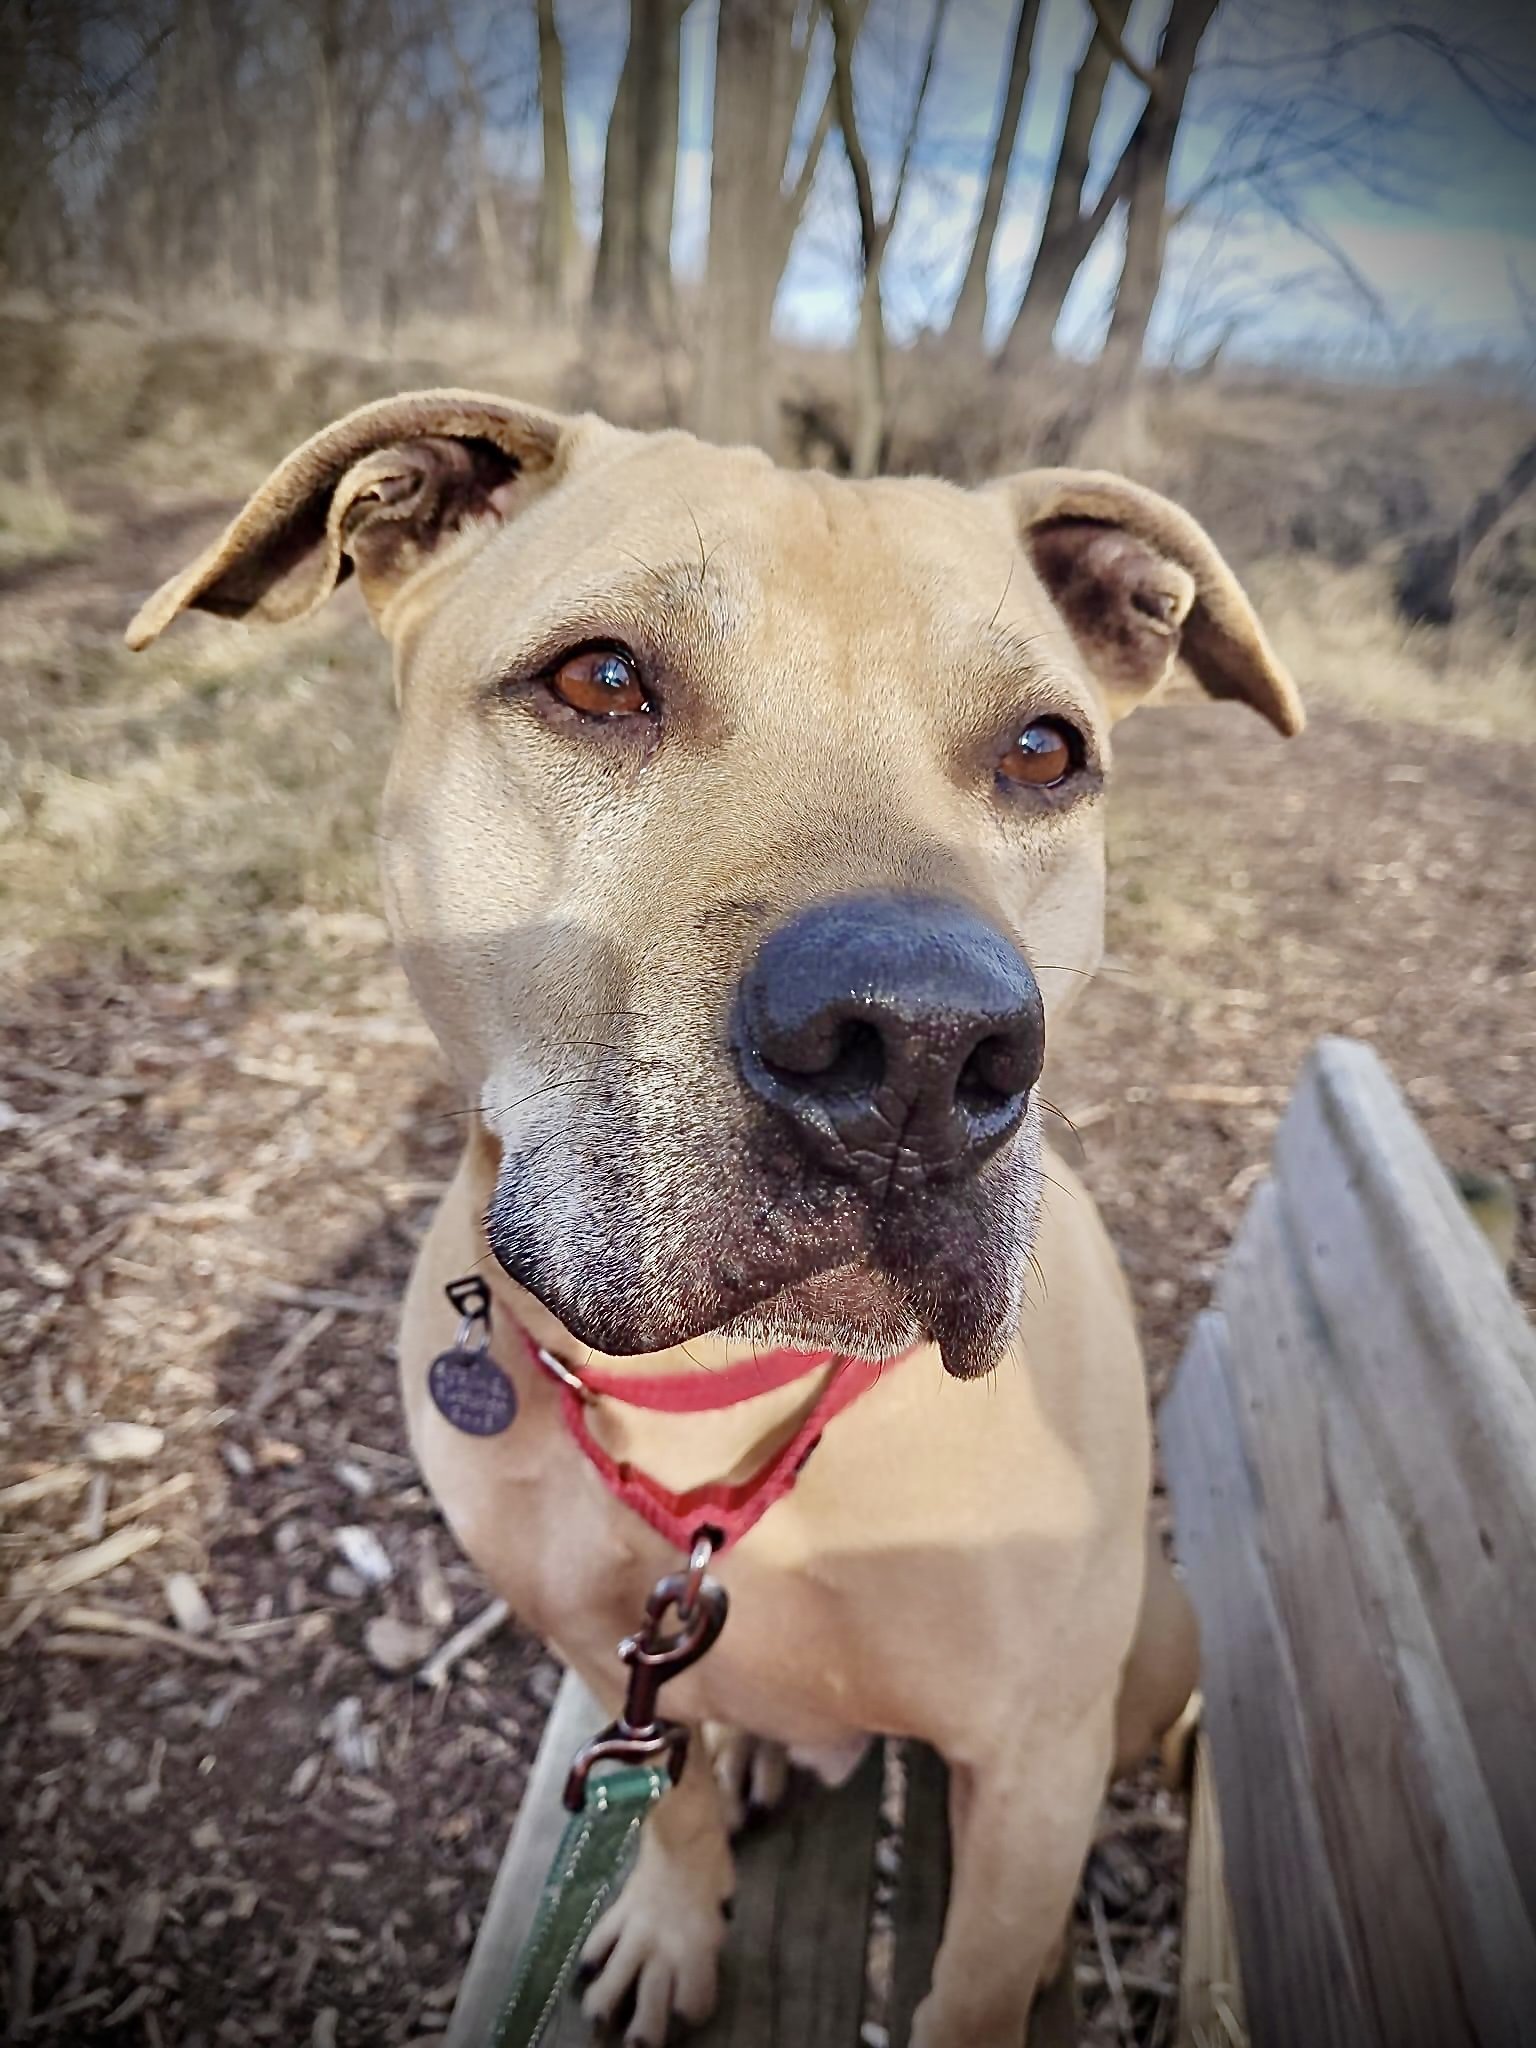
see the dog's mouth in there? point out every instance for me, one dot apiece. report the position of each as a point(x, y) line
point(817, 1269)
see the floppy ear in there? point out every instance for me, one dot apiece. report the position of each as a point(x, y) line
point(377, 491)
point(1145, 593)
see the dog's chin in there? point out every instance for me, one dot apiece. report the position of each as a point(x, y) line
point(853, 1310)
point(822, 1274)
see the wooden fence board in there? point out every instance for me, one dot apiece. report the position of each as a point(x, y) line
point(1431, 1906)
point(1441, 1366)
point(1351, 1445)
point(1278, 1874)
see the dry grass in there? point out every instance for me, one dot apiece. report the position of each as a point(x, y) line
point(215, 785)
point(1336, 629)
point(36, 525)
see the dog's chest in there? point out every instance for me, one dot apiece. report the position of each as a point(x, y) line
point(902, 1555)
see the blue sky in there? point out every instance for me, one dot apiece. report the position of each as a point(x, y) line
point(1441, 225)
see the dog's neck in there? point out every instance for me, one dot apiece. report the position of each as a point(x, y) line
point(680, 1450)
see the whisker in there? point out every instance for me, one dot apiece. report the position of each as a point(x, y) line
point(1004, 598)
point(656, 575)
point(1046, 1104)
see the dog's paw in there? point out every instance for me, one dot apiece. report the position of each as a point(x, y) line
point(655, 1953)
point(753, 1775)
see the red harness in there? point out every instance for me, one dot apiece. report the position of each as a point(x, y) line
point(726, 1510)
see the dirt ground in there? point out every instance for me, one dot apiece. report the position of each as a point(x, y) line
point(222, 1129)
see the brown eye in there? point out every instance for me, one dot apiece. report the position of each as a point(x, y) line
point(1044, 754)
point(600, 683)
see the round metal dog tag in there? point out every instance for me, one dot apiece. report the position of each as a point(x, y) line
point(472, 1392)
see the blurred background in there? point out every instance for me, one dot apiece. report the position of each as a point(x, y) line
point(1276, 257)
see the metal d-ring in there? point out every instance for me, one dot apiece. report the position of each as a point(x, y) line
point(472, 1298)
point(705, 1544)
point(558, 1369)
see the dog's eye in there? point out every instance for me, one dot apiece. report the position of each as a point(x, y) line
point(1044, 754)
point(600, 683)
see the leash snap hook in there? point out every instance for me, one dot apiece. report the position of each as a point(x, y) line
point(655, 1654)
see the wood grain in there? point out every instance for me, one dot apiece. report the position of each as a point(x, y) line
point(1298, 1969)
point(1351, 1446)
point(1441, 1367)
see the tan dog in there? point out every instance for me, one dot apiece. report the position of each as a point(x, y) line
point(743, 838)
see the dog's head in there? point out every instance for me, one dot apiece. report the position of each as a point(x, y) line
point(742, 838)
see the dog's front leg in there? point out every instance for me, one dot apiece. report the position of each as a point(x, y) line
point(1021, 1823)
point(659, 1942)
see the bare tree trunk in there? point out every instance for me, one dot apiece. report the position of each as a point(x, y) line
point(732, 397)
point(327, 284)
point(558, 249)
point(493, 248)
point(970, 314)
point(269, 284)
point(1146, 227)
point(867, 448)
point(661, 88)
point(1428, 570)
point(619, 233)
point(223, 167)
point(633, 276)
point(1068, 232)
point(759, 78)
point(165, 258)
point(874, 232)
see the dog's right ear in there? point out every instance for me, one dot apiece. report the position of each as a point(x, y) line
point(378, 491)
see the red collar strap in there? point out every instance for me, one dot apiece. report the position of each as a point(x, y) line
point(728, 1511)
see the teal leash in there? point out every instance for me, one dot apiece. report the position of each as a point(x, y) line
point(608, 1808)
point(593, 1859)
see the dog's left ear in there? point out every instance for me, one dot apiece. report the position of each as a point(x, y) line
point(378, 493)
point(1145, 593)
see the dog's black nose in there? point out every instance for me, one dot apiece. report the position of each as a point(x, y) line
point(900, 1035)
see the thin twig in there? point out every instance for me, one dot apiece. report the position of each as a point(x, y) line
point(285, 1358)
point(1113, 1981)
point(435, 1670)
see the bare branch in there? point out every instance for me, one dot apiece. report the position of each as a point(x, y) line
point(1303, 149)
point(843, 33)
point(940, 9)
point(98, 103)
point(1488, 82)
point(797, 195)
point(1117, 49)
point(1280, 202)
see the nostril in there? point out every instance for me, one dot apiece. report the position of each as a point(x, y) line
point(989, 1077)
point(852, 1064)
point(998, 1070)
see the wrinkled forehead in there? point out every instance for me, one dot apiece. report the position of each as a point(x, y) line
point(717, 559)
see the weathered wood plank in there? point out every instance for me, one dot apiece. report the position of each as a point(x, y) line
point(917, 1914)
point(1211, 2006)
point(922, 1891)
point(536, 1833)
point(1299, 1974)
point(1431, 1905)
point(1441, 1366)
point(794, 1966)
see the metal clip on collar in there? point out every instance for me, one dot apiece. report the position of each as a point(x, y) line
point(640, 1735)
point(472, 1298)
